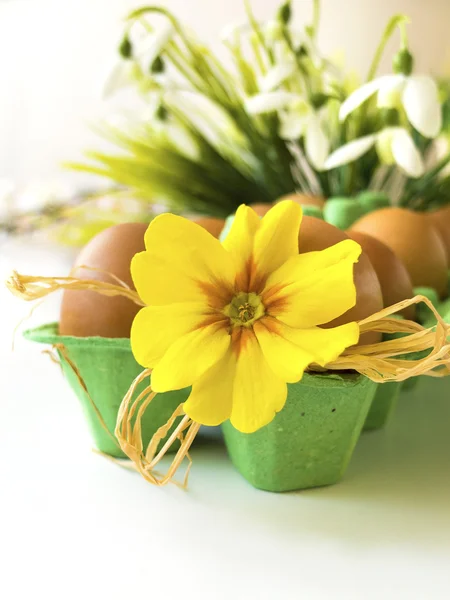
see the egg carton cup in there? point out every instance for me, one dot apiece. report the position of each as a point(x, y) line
point(308, 444)
point(387, 395)
point(310, 441)
point(100, 371)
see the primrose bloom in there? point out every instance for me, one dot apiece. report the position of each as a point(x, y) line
point(238, 320)
point(418, 94)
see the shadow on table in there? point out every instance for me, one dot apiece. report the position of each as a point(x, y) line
point(397, 486)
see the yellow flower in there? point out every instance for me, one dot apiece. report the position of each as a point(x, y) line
point(238, 320)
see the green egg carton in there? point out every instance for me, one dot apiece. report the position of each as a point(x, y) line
point(386, 397)
point(310, 441)
point(383, 405)
point(107, 368)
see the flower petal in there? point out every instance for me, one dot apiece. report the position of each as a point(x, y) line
point(155, 44)
point(350, 152)
point(258, 394)
point(317, 144)
point(289, 351)
point(390, 93)
point(156, 328)
point(406, 154)
point(120, 76)
point(421, 103)
point(292, 124)
point(277, 237)
point(324, 345)
point(181, 258)
point(276, 75)
point(313, 288)
point(360, 95)
point(287, 360)
point(190, 357)
point(239, 241)
point(269, 102)
point(211, 398)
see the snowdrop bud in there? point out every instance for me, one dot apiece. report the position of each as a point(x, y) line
point(157, 65)
point(273, 31)
point(125, 48)
point(285, 12)
point(161, 113)
point(301, 51)
point(403, 62)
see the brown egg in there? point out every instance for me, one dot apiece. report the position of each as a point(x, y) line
point(316, 234)
point(261, 208)
point(394, 279)
point(414, 239)
point(304, 199)
point(441, 220)
point(88, 313)
point(211, 224)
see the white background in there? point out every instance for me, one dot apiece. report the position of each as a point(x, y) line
point(54, 55)
point(74, 525)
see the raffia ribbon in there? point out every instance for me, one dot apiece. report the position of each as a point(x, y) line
point(379, 362)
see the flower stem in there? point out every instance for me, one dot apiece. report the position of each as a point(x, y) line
point(257, 29)
point(403, 35)
point(420, 185)
point(316, 19)
point(396, 21)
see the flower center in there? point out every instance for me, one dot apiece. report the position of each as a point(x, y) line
point(244, 309)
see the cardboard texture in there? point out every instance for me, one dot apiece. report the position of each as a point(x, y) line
point(310, 442)
point(108, 368)
point(342, 212)
point(383, 405)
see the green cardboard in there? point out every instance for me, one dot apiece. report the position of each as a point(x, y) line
point(370, 200)
point(342, 212)
point(108, 368)
point(310, 442)
point(423, 314)
point(383, 405)
point(409, 384)
point(312, 211)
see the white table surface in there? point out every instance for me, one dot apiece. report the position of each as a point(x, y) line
point(74, 525)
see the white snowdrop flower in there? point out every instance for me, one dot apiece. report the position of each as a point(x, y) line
point(394, 146)
point(277, 75)
point(294, 119)
point(418, 94)
point(269, 102)
point(123, 74)
point(126, 72)
point(298, 119)
point(441, 148)
point(317, 144)
point(153, 45)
